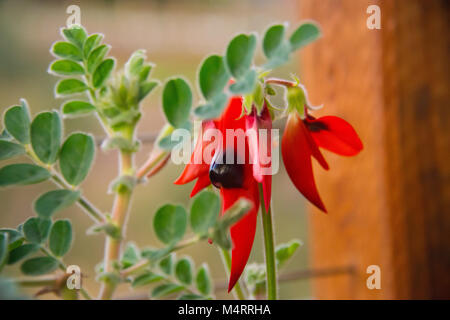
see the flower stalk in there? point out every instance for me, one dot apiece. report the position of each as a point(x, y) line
point(269, 249)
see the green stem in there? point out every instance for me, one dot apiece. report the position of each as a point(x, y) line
point(271, 271)
point(226, 258)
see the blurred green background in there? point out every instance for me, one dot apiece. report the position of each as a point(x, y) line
point(177, 35)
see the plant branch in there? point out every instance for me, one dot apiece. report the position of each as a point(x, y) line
point(271, 271)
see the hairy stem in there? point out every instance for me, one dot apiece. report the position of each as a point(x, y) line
point(118, 217)
point(237, 290)
point(269, 248)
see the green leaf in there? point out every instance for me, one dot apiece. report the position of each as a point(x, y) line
point(10, 149)
point(305, 34)
point(67, 50)
point(70, 86)
point(240, 54)
point(213, 108)
point(53, 201)
point(131, 255)
point(46, 136)
point(204, 212)
point(76, 35)
point(4, 135)
point(22, 174)
point(183, 271)
point(91, 42)
point(145, 88)
point(203, 280)
point(166, 264)
point(66, 67)
point(177, 101)
point(102, 72)
point(14, 236)
point(77, 108)
point(190, 296)
point(273, 39)
point(60, 238)
point(17, 123)
point(145, 279)
point(213, 76)
point(166, 289)
point(96, 56)
point(169, 223)
point(21, 252)
point(39, 266)
point(36, 229)
point(76, 156)
point(285, 251)
point(246, 84)
point(4, 240)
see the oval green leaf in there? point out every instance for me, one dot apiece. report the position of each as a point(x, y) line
point(66, 67)
point(39, 266)
point(67, 50)
point(183, 271)
point(22, 174)
point(166, 289)
point(22, 252)
point(77, 108)
point(53, 201)
point(212, 109)
point(177, 101)
point(96, 56)
point(17, 123)
point(213, 76)
point(76, 35)
point(166, 264)
point(239, 54)
point(145, 279)
point(36, 229)
point(70, 86)
point(60, 238)
point(102, 72)
point(273, 39)
point(10, 149)
point(91, 42)
point(169, 223)
point(14, 236)
point(203, 280)
point(305, 34)
point(46, 136)
point(76, 156)
point(204, 212)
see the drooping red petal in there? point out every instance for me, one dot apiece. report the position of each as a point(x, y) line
point(297, 149)
point(335, 134)
point(201, 183)
point(197, 165)
point(261, 159)
point(243, 232)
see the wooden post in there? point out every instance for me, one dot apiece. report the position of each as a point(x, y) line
point(389, 206)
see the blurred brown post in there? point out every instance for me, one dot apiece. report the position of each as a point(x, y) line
point(389, 206)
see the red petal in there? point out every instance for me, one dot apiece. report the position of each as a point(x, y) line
point(336, 135)
point(201, 183)
point(243, 232)
point(296, 148)
point(197, 166)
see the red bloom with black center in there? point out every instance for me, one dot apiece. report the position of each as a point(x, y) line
point(235, 180)
point(301, 141)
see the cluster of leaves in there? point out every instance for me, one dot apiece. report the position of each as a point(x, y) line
point(236, 65)
point(255, 273)
point(170, 224)
point(41, 139)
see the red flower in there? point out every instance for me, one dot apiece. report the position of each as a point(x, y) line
point(234, 180)
point(301, 141)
